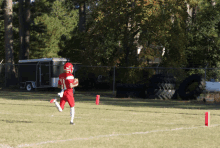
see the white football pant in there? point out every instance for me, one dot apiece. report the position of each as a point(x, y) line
point(58, 106)
point(72, 113)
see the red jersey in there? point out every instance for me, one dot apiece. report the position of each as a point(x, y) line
point(64, 80)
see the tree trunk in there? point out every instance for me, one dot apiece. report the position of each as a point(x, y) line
point(21, 29)
point(9, 57)
point(27, 28)
point(24, 26)
point(82, 16)
point(24, 29)
point(126, 47)
point(127, 42)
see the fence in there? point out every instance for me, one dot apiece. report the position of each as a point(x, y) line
point(107, 77)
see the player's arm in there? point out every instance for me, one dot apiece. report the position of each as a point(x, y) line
point(71, 85)
point(74, 83)
point(59, 83)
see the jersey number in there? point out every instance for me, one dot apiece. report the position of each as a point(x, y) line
point(63, 85)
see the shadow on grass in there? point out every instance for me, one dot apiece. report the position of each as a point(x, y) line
point(16, 121)
point(106, 98)
point(126, 102)
point(23, 95)
point(30, 104)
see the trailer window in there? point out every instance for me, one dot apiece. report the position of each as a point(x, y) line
point(58, 68)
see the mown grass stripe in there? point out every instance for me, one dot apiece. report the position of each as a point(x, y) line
point(114, 135)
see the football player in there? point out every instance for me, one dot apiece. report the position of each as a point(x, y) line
point(66, 82)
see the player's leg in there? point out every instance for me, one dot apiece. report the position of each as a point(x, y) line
point(72, 114)
point(71, 102)
point(62, 102)
point(57, 104)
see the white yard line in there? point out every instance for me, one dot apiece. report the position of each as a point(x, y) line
point(115, 135)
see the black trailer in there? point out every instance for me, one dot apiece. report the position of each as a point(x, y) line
point(40, 73)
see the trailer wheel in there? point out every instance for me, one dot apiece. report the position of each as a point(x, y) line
point(29, 87)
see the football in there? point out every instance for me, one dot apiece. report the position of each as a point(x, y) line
point(75, 82)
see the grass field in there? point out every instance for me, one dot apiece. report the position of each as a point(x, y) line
point(27, 119)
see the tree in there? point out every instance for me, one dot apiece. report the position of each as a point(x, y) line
point(8, 32)
point(2, 48)
point(24, 29)
point(22, 52)
point(9, 57)
point(82, 16)
point(203, 36)
point(59, 23)
point(27, 29)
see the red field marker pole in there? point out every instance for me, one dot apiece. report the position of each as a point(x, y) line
point(207, 118)
point(97, 99)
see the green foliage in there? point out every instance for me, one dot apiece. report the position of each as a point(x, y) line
point(166, 27)
point(114, 30)
point(118, 27)
point(49, 21)
point(203, 36)
point(110, 35)
point(59, 22)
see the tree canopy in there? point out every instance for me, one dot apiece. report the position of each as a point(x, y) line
point(114, 30)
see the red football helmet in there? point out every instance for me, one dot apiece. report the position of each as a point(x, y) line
point(68, 67)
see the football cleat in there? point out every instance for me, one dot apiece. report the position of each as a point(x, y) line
point(53, 100)
point(72, 123)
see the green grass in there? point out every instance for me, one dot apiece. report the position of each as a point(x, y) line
point(26, 120)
